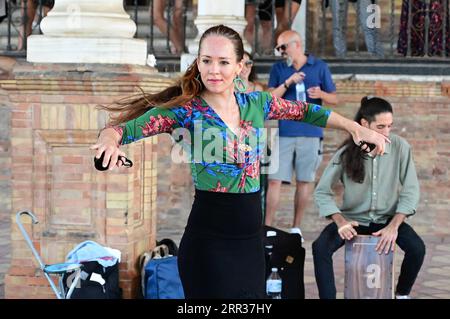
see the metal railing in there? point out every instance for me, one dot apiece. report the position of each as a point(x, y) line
point(18, 25)
point(166, 31)
point(412, 28)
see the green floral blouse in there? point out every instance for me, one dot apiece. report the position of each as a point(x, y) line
point(222, 160)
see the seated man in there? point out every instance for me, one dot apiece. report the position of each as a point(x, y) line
point(379, 193)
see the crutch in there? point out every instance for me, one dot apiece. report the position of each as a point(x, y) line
point(54, 269)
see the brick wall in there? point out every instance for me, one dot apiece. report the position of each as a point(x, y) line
point(54, 120)
point(6, 65)
point(421, 115)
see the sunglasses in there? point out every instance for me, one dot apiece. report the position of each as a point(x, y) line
point(248, 63)
point(283, 47)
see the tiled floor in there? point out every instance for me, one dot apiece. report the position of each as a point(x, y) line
point(433, 281)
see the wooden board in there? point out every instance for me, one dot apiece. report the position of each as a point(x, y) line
point(368, 275)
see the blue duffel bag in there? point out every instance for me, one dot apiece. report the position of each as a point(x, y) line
point(160, 277)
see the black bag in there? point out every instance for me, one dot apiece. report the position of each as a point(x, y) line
point(97, 282)
point(288, 255)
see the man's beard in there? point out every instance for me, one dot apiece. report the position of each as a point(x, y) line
point(289, 61)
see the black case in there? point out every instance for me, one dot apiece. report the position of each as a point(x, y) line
point(288, 256)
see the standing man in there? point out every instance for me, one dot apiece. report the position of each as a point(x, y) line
point(300, 145)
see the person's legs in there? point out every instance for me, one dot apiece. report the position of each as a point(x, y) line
point(45, 10)
point(249, 31)
point(339, 13)
point(265, 14)
point(158, 15)
point(302, 198)
point(177, 23)
point(29, 16)
point(31, 13)
point(414, 249)
point(308, 156)
point(159, 20)
point(285, 16)
point(323, 249)
point(290, 12)
point(285, 151)
point(273, 198)
point(267, 41)
point(279, 13)
point(370, 31)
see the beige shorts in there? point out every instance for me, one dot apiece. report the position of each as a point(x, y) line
point(302, 154)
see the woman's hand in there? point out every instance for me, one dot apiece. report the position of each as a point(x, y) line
point(108, 143)
point(359, 133)
point(363, 135)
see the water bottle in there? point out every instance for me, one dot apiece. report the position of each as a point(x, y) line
point(300, 91)
point(273, 285)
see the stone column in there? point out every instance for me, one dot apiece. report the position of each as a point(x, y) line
point(86, 31)
point(210, 13)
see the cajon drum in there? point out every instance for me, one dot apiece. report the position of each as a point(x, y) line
point(368, 275)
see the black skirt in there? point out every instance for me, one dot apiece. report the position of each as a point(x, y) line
point(221, 254)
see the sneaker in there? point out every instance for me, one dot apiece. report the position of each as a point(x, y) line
point(402, 297)
point(297, 230)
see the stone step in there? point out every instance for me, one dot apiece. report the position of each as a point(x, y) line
point(344, 68)
point(159, 44)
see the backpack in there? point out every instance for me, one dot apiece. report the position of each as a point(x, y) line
point(159, 273)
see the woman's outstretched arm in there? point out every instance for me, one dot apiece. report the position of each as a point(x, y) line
point(155, 121)
point(280, 109)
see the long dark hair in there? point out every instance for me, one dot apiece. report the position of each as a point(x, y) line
point(352, 158)
point(185, 89)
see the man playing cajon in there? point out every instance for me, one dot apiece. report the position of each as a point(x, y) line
point(379, 193)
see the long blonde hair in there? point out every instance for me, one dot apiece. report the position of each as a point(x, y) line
point(188, 87)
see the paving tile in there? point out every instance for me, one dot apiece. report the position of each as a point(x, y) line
point(433, 280)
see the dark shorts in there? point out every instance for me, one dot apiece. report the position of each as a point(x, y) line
point(45, 3)
point(265, 8)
